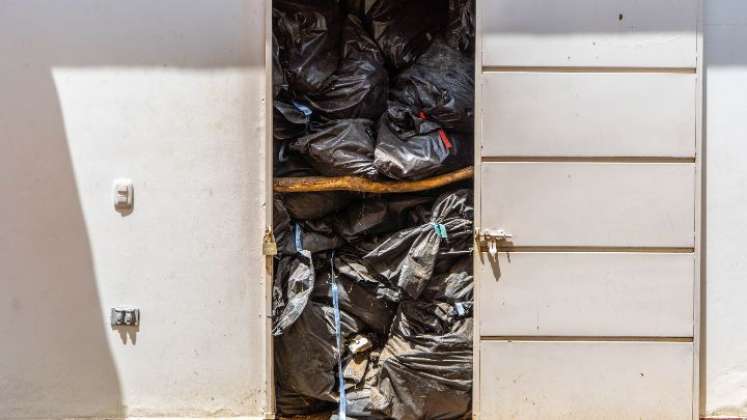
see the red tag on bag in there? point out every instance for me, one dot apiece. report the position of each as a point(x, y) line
point(441, 132)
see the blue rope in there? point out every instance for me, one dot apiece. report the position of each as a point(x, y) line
point(338, 334)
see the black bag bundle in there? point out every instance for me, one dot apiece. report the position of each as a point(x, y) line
point(381, 89)
point(360, 86)
point(317, 235)
point(409, 256)
point(350, 266)
point(405, 28)
point(290, 403)
point(306, 355)
point(358, 301)
point(426, 365)
point(411, 148)
point(316, 205)
point(281, 227)
point(278, 77)
point(461, 31)
point(340, 148)
point(308, 32)
point(292, 236)
point(289, 120)
point(294, 283)
point(441, 85)
point(358, 8)
point(380, 215)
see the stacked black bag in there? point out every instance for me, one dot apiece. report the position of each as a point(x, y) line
point(382, 89)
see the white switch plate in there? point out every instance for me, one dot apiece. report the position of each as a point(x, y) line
point(123, 194)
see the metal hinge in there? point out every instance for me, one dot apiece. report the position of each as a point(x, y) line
point(269, 246)
point(491, 237)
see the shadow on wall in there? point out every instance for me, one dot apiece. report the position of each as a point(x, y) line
point(55, 358)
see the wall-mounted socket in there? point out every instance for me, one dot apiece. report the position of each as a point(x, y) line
point(125, 317)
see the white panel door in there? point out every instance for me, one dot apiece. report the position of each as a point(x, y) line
point(597, 380)
point(587, 294)
point(591, 204)
point(587, 123)
point(585, 33)
point(589, 114)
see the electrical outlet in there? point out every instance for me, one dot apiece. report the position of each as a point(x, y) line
point(125, 317)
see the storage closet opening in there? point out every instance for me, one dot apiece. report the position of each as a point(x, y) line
point(373, 148)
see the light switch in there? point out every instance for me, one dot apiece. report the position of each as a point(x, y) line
point(123, 195)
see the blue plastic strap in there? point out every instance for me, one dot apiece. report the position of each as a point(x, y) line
point(460, 310)
point(298, 236)
point(283, 153)
point(303, 108)
point(338, 335)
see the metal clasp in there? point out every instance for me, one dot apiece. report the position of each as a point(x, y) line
point(491, 237)
point(269, 246)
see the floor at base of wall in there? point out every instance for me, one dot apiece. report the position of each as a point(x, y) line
point(159, 418)
point(723, 418)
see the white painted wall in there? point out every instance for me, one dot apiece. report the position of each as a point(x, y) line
point(170, 94)
point(725, 357)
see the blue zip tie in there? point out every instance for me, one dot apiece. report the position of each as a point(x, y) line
point(440, 230)
point(338, 335)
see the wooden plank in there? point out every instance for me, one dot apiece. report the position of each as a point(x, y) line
point(586, 380)
point(586, 294)
point(590, 114)
point(602, 33)
point(591, 204)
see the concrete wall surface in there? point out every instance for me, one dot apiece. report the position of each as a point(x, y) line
point(170, 94)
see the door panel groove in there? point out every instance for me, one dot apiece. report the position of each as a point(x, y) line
point(587, 338)
point(592, 249)
point(586, 159)
point(570, 69)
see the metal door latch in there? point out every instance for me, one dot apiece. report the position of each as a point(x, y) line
point(491, 237)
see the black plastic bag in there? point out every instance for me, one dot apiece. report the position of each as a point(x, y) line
point(423, 149)
point(317, 235)
point(350, 266)
point(289, 120)
point(425, 374)
point(360, 86)
point(293, 236)
point(426, 365)
point(281, 228)
point(357, 8)
point(358, 301)
point(316, 205)
point(340, 148)
point(441, 85)
point(308, 32)
point(408, 257)
point(278, 76)
point(290, 403)
point(306, 354)
point(380, 215)
point(292, 288)
point(461, 31)
point(405, 28)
